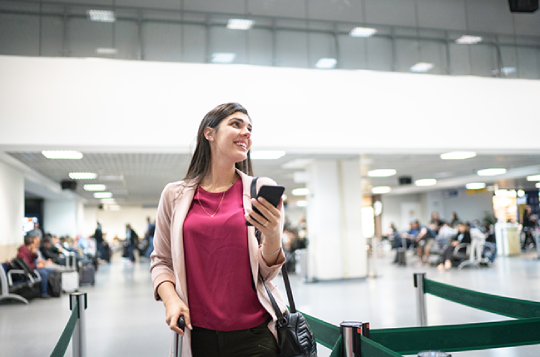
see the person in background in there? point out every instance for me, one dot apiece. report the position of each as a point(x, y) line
point(454, 220)
point(150, 230)
point(101, 245)
point(528, 226)
point(464, 236)
point(132, 239)
point(38, 230)
point(51, 251)
point(424, 240)
point(435, 221)
point(28, 252)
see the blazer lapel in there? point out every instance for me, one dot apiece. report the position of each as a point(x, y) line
point(181, 210)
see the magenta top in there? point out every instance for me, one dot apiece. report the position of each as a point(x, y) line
point(220, 285)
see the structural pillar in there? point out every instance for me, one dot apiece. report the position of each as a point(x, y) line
point(336, 247)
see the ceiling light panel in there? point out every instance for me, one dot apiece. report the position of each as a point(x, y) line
point(95, 187)
point(468, 40)
point(537, 185)
point(425, 182)
point(82, 175)
point(301, 203)
point(103, 195)
point(326, 63)
point(101, 15)
point(508, 70)
point(106, 51)
point(458, 155)
point(266, 155)
point(491, 172)
point(422, 67)
point(240, 24)
point(62, 154)
point(475, 186)
point(533, 178)
point(382, 173)
point(108, 200)
point(381, 189)
point(362, 32)
point(223, 57)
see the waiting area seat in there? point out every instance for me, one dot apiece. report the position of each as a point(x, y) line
point(23, 283)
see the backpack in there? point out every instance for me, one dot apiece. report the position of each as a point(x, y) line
point(54, 284)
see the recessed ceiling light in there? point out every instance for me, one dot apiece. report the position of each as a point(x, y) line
point(108, 200)
point(223, 57)
point(62, 154)
point(95, 187)
point(114, 208)
point(101, 15)
point(362, 32)
point(111, 178)
point(468, 40)
point(382, 173)
point(103, 195)
point(381, 189)
point(458, 155)
point(301, 203)
point(533, 178)
point(475, 186)
point(106, 51)
point(520, 193)
point(239, 24)
point(425, 182)
point(82, 175)
point(537, 185)
point(266, 155)
point(300, 192)
point(422, 67)
point(491, 172)
point(297, 164)
point(326, 63)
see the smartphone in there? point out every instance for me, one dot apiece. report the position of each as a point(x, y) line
point(270, 193)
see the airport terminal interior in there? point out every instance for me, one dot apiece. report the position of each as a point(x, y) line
point(404, 132)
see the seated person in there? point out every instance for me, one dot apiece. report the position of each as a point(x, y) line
point(50, 251)
point(464, 236)
point(48, 263)
point(445, 234)
point(424, 240)
point(404, 238)
point(28, 252)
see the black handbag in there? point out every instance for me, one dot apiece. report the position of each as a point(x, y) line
point(295, 338)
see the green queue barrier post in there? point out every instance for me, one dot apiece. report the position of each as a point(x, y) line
point(79, 333)
point(421, 313)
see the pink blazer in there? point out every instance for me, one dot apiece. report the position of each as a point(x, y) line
point(167, 259)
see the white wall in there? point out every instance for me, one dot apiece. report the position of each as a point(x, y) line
point(11, 210)
point(392, 210)
point(114, 222)
point(469, 207)
point(92, 97)
point(63, 217)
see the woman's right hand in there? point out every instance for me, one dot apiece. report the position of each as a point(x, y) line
point(173, 310)
point(174, 307)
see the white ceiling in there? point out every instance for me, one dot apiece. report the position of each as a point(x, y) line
point(146, 174)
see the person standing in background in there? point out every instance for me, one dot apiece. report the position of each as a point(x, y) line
point(133, 240)
point(150, 235)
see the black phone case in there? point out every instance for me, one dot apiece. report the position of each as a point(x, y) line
point(270, 193)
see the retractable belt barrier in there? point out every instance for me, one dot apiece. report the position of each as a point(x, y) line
point(75, 328)
point(356, 339)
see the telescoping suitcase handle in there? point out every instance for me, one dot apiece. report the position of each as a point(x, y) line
point(177, 338)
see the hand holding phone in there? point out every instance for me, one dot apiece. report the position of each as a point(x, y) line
point(270, 193)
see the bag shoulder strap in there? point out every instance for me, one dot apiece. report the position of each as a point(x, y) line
point(254, 187)
point(288, 288)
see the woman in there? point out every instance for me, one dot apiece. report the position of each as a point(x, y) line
point(207, 265)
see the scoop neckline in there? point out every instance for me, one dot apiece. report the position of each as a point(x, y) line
point(220, 192)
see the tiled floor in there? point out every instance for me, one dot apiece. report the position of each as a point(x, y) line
point(124, 320)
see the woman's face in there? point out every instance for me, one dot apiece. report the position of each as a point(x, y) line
point(233, 138)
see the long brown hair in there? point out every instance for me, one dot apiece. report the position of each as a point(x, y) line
point(200, 161)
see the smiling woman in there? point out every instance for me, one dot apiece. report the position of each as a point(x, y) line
point(207, 265)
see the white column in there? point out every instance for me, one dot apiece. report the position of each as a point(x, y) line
point(63, 217)
point(11, 210)
point(334, 217)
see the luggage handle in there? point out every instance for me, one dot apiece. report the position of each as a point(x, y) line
point(177, 338)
